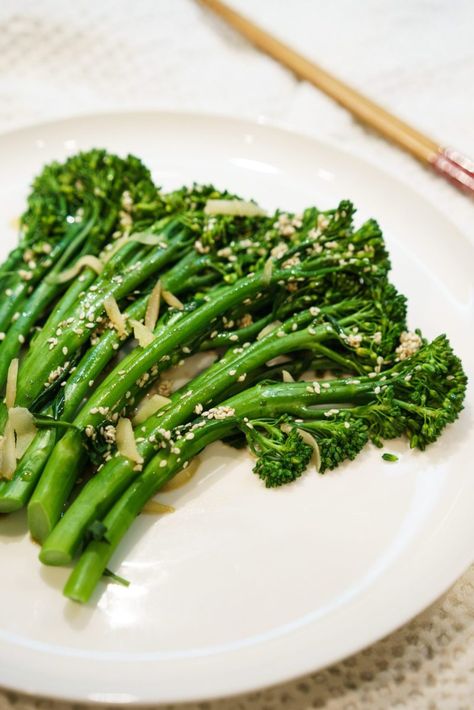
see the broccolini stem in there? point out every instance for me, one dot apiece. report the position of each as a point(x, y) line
point(68, 304)
point(13, 298)
point(68, 455)
point(69, 399)
point(34, 373)
point(191, 326)
point(10, 265)
point(95, 360)
point(260, 401)
point(49, 497)
point(346, 363)
point(18, 491)
point(32, 309)
point(15, 494)
point(92, 563)
point(18, 286)
point(204, 390)
point(93, 363)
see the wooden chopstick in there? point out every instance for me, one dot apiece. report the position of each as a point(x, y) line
point(455, 167)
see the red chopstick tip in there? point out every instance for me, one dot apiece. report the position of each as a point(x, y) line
point(456, 168)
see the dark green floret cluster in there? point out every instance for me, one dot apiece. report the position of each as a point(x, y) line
point(281, 457)
point(115, 285)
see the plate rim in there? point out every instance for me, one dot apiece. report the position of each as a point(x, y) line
point(306, 666)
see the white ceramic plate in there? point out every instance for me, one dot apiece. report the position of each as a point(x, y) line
point(244, 587)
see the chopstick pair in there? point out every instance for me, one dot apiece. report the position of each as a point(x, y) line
point(452, 165)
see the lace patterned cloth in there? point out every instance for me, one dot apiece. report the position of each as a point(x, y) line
point(62, 58)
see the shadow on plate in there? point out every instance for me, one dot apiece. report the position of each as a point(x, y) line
point(13, 526)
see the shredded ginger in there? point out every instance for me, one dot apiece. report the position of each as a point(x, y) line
point(153, 306)
point(267, 271)
point(311, 441)
point(87, 260)
point(125, 439)
point(23, 423)
point(236, 208)
point(268, 329)
point(148, 407)
point(141, 333)
point(171, 300)
point(146, 238)
point(8, 458)
point(116, 317)
point(12, 376)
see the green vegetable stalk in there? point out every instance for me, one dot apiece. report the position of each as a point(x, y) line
point(272, 417)
point(55, 484)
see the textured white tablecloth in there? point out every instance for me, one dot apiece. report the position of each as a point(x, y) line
point(64, 57)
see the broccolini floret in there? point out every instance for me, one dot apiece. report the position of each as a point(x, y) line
point(282, 456)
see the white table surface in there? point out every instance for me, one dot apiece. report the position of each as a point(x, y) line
point(64, 57)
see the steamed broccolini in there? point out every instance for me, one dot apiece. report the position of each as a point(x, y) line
point(271, 418)
point(321, 259)
point(307, 330)
point(308, 288)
